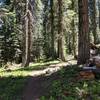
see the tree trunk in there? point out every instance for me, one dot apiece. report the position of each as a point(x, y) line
point(93, 19)
point(99, 18)
point(60, 32)
point(99, 12)
point(94, 22)
point(73, 31)
point(46, 46)
point(27, 37)
point(84, 41)
point(52, 29)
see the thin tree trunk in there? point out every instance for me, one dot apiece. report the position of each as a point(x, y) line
point(84, 41)
point(46, 46)
point(93, 19)
point(52, 29)
point(60, 32)
point(94, 22)
point(73, 31)
point(99, 18)
point(99, 12)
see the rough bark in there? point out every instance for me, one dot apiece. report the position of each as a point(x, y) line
point(84, 41)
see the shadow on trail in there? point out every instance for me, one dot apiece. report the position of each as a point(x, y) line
point(33, 87)
point(28, 87)
point(40, 85)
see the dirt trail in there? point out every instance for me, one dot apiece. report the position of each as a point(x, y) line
point(37, 87)
point(39, 82)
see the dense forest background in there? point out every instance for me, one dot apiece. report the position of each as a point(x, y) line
point(49, 49)
point(45, 29)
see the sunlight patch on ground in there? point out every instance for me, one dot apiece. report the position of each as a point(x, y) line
point(50, 67)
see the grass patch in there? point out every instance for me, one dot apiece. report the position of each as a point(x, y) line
point(40, 66)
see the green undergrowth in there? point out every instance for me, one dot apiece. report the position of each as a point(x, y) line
point(11, 88)
point(12, 82)
point(69, 87)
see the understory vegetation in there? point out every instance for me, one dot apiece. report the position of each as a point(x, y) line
point(67, 86)
point(13, 81)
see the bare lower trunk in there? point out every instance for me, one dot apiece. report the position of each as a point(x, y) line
point(84, 41)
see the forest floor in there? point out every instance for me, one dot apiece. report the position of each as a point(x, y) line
point(40, 82)
point(53, 80)
point(61, 82)
point(30, 81)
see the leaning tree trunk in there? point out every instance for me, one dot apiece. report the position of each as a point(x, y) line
point(60, 31)
point(84, 41)
point(26, 36)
